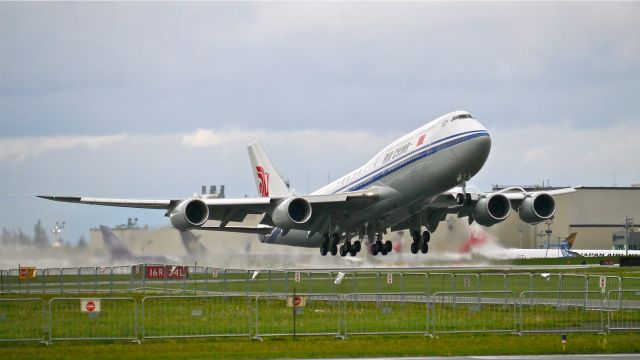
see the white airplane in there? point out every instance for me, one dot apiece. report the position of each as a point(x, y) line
point(480, 244)
point(413, 183)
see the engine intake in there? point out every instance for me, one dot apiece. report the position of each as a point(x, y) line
point(537, 208)
point(491, 210)
point(291, 212)
point(189, 214)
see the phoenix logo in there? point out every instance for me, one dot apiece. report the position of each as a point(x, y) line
point(263, 186)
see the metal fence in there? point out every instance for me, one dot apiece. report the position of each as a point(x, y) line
point(565, 311)
point(109, 318)
point(376, 313)
point(22, 320)
point(196, 316)
point(623, 310)
point(197, 280)
point(473, 311)
point(299, 314)
point(311, 314)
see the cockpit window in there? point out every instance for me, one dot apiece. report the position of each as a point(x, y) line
point(462, 116)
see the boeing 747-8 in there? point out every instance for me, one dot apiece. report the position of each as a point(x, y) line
point(413, 183)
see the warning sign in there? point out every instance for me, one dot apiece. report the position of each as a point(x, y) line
point(27, 272)
point(90, 305)
point(603, 283)
point(296, 301)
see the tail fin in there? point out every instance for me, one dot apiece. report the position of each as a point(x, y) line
point(268, 181)
point(192, 243)
point(571, 238)
point(114, 244)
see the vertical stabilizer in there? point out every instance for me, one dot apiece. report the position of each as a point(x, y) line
point(268, 181)
point(116, 248)
point(192, 244)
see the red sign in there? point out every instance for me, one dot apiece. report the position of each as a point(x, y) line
point(172, 272)
point(297, 300)
point(90, 306)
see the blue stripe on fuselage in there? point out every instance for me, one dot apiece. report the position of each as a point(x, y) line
point(410, 158)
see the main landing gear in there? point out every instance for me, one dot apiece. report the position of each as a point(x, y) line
point(380, 247)
point(330, 245)
point(420, 243)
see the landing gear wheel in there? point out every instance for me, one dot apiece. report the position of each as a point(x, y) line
point(353, 251)
point(424, 247)
point(374, 250)
point(324, 246)
point(334, 249)
point(357, 246)
point(343, 251)
point(381, 247)
point(426, 236)
point(389, 246)
point(415, 247)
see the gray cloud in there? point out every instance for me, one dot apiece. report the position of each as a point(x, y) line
point(314, 82)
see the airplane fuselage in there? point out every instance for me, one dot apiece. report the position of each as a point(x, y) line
point(411, 170)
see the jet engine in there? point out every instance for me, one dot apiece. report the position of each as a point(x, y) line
point(291, 212)
point(537, 208)
point(188, 214)
point(491, 210)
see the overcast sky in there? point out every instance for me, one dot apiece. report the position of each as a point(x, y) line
point(154, 100)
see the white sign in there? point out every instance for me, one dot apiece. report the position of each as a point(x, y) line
point(297, 277)
point(603, 283)
point(90, 305)
point(339, 278)
point(467, 281)
point(389, 278)
point(214, 273)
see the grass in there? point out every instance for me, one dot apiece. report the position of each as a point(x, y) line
point(183, 316)
point(306, 347)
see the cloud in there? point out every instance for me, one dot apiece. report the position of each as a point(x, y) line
point(568, 154)
point(20, 149)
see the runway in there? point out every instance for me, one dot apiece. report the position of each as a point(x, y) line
point(514, 357)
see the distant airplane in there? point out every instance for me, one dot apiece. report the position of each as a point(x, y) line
point(404, 186)
point(477, 244)
point(192, 244)
point(120, 253)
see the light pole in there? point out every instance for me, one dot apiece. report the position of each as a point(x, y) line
point(628, 223)
point(56, 232)
point(548, 232)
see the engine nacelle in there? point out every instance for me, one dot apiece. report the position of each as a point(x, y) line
point(491, 210)
point(291, 212)
point(537, 208)
point(189, 214)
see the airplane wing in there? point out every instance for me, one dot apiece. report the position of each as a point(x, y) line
point(133, 203)
point(236, 210)
point(476, 207)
